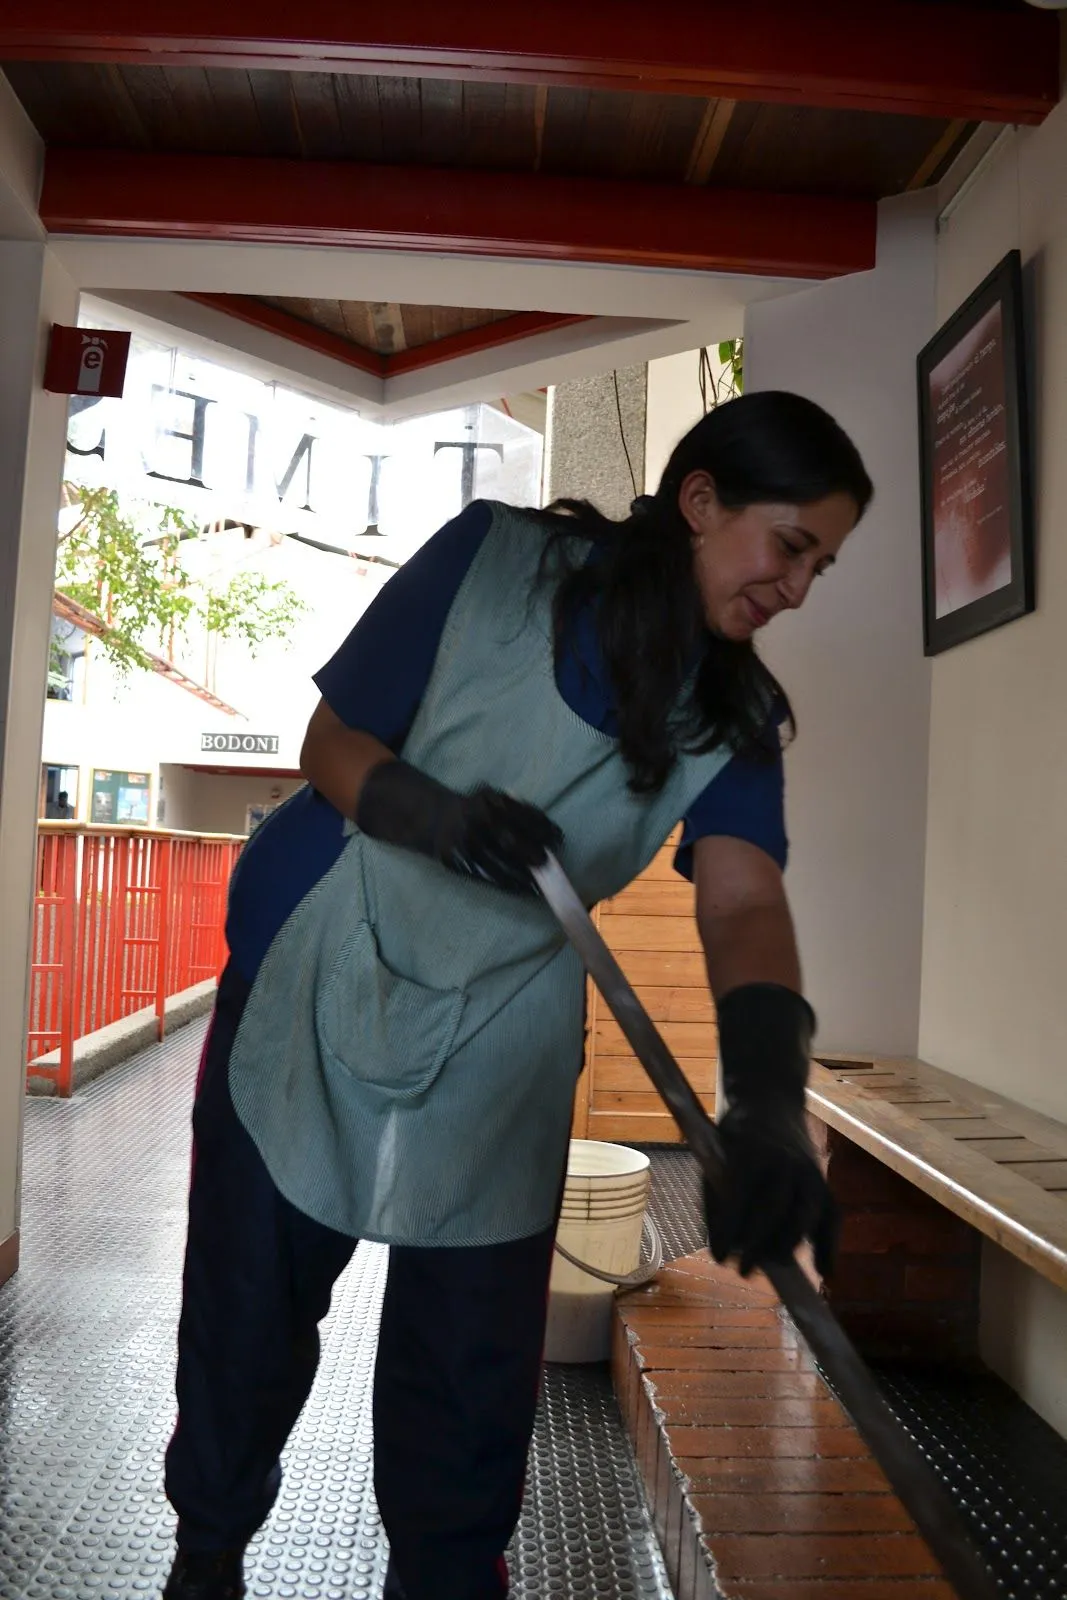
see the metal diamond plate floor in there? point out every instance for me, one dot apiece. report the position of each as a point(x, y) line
point(675, 1203)
point(87, 1332)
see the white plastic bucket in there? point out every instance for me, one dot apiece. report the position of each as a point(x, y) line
point(601, 1224)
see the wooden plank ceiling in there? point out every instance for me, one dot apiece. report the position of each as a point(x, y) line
point(593, 133)
point(840, 114)
point(384, 328)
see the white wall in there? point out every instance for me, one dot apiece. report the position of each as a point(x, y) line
point(996, 888)
point(672, 406)
point(1023, 1333)
point(216, 802)
point(852, 659)
point(995, 954)
point(33, 293)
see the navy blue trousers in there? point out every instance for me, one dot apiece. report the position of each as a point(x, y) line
point(455, 1386)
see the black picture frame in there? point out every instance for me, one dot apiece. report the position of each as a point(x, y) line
point(977, 505)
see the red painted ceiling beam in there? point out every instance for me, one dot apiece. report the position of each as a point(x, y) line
point(254, 200)
point(523, 325)
point(952, 60)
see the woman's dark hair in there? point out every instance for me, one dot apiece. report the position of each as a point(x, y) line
point(677, 686)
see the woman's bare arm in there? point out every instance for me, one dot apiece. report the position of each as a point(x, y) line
point(335, 759)
point(743, 915)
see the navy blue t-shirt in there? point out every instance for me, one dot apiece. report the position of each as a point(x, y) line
point(376, 682)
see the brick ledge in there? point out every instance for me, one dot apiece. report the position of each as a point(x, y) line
point(760, 1487)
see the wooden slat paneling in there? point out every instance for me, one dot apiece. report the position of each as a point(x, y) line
point(654, 898)
point(658, 968)
point(652, 930)
point(621, 1128)
point(625, 932)
point(684, 1038)
point(622, 1073)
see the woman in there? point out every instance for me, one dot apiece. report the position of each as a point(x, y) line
point(398, 1032)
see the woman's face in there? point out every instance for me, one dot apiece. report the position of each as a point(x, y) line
point(754, 562)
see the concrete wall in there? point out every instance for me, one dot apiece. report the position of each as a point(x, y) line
point(852, 659)
point(995, 950)
point(585, 457)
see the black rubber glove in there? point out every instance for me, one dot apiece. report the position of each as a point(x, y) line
point(484, 835)
point(774, 1194)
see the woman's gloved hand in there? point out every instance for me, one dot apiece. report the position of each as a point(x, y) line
point(774, 1194)
point(485, 835)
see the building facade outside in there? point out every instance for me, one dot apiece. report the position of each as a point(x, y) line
point(283, 485)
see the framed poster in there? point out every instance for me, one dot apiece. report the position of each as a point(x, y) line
point(977, 513)
point(120, 798)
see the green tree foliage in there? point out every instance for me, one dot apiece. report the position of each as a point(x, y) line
point(131, 575)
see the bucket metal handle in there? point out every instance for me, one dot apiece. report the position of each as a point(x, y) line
point(650, 1238)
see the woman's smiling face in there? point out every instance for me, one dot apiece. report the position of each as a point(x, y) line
point(755, 561)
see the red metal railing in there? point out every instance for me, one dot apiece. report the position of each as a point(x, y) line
point(123, 918)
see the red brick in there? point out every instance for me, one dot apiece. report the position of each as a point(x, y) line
point(684, 1581)
point(777, 1334)
point(679, 1358)
point(940, 1281)
point(649, 1320)
point(699, 1271)
point(634, 1394)
point(745, 1385)
point(733, 1413)
point(844, 1555)
point(933, 1234)
point(844, 1589)
point(661, 1490)
point(706, 1587)
point(761, 1442)
point(867, 1277)
point(645, 1446)
point(677, 1295)
point(801, 1513)
point(867, 1182)
point(679, 1530)
point(782, 1475)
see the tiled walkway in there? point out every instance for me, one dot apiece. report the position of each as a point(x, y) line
point(86, 1357)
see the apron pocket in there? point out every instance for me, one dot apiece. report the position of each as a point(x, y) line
point(385, 1031)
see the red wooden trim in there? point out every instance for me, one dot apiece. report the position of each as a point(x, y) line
point(256, 200)
point(257, 315)
point(954, 60)
point(523, 325)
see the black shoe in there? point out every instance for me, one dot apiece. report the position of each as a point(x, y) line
point(206, 1575)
